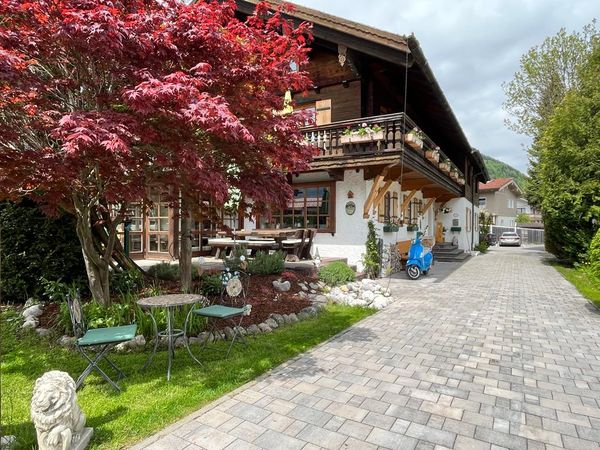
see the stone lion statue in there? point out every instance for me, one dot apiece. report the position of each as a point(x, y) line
point(55, 413)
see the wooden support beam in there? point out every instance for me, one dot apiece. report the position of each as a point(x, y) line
point(406, 201)
point(427, 205)
point(372, 194)
point(382, 191)
point(375, 190)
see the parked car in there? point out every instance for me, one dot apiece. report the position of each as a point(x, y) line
point(510, 238)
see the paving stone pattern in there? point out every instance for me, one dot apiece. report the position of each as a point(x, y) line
point(500, 353)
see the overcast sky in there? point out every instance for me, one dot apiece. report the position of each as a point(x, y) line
point(473, 46)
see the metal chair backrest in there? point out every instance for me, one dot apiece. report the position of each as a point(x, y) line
point(234, 288)
point(76, 313)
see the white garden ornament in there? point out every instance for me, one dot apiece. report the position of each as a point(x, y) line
point(58, 420)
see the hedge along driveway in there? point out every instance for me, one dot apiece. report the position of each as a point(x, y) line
point(148, 402)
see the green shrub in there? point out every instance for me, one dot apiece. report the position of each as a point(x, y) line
point(124, 281)
point(482, 247)
point(267, 264)
point(372, 258)
point(210, 285)
point(594, 255)
point(337, 272)
point(164, 271)
point(33, 247)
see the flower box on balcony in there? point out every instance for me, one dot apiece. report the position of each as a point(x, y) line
point(389, 228)
point(461, 181)
point(433, 155)
point(444, 167)
point(454, 175)
point(412, 228)
point(413, 140)
point(361, 138)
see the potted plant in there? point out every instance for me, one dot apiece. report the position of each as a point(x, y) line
point(412, 227)
point(414, 139)
point(445, 166)
point(364, 133)
point(455, 229)
point(433, 155)
point(461, 181)
point(390, 226)
point(454, 174)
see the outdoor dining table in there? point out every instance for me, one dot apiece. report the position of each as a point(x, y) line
point(276, 234)
point(170, 303)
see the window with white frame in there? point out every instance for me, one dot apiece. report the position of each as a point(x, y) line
point(482, 202)
point(511, 203)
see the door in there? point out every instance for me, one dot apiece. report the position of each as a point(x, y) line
point(439, 232)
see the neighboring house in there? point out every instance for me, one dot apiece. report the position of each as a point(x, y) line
point(535, 216)
point(501, 198)
point(359, 76)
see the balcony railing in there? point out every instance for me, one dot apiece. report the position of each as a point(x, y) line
point(349, 138)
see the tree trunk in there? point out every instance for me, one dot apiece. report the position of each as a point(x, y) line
point(96, 267)
point(185, 251)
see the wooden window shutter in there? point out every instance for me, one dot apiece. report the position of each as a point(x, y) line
point(323, 108)
point(394, 205)
point(381, 210)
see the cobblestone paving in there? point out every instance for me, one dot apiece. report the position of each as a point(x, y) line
point(500, 353)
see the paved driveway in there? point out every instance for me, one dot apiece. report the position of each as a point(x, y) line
point(501, 352)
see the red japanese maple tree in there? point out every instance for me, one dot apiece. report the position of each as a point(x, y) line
point(101, 99)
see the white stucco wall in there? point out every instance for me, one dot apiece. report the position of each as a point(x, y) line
point(458, 213)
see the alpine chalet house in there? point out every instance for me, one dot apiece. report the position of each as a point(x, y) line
point(391, 149)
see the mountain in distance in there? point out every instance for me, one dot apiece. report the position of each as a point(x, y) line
point(499, 169)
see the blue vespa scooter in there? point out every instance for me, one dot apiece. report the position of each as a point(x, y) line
point(420, 258)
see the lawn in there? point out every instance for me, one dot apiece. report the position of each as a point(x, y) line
point(148, 402)
point(586, 284)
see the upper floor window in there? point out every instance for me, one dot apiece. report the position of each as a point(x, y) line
point(511, 203)
point(482, 202)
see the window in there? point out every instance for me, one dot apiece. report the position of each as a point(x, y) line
point(313, 206)
point(511, 203)
point(158, 225)
point(135, 214)
point(469, 219)
point(387, 210)
point(482, 202)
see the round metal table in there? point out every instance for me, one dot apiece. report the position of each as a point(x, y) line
point(168, 302)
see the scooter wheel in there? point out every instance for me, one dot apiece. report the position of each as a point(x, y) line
point(413, 272)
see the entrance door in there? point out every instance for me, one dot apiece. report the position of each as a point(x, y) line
point(439, 232)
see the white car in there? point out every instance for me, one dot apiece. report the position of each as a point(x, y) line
point(510, 238)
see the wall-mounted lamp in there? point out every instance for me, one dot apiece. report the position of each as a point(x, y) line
point(346, 83)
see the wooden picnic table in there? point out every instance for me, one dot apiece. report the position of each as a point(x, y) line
point(269, 238)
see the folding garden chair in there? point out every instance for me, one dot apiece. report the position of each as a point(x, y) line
point(95, 344)
point(232, 308)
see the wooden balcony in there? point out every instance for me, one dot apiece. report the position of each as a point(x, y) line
point(350, 144)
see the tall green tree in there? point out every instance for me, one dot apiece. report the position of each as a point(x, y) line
point(569, 166)
point(546, 73)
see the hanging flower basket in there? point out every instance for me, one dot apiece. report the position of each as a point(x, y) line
point(461, 181)
point(412, 228)
point(454, 175)
point(433, 155)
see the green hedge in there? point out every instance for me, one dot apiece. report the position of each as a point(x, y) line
point(33, 247)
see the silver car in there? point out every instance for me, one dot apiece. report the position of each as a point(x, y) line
point(510, 238)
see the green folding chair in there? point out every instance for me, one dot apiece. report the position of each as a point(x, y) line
point(232, 308)
point(95, 344)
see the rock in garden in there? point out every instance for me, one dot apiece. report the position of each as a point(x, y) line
point(205, 337)
point(194, 340)
point(293, 318)
point(229, 333)
point(380, 302)
point(67, 341)
point(302, 294)
point(344, 288)
point(218, 335)
point(310, 310)
point(42, 332)
point(30, 323)
point(357, 302)
point(272, 323)
point(303, 315)
point(138, 341)
point(321, 299)
point(321, 285)
point(264, 328)
point(282, 286)
point(241, 331)
point(314, 286)
point(286, 319)
point(252, 329)
point(30, 302)
point(303, 286)
point(278, 318)
point(8, 442)
point(121, 348)
point(367, 296)
point(33, 311)
point(369, 285)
